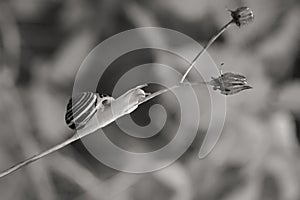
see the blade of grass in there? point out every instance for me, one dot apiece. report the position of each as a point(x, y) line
point(76, 137)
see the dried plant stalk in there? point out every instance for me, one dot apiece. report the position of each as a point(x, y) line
point(123, 105)
point(240, 17)
point(209, 43)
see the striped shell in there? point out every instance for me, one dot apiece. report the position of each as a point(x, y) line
point(80, 109)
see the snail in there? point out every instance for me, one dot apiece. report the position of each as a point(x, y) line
point(83, 106)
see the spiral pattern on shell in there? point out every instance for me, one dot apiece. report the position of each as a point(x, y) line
point(80, 109)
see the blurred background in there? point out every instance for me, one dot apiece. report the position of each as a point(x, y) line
point(43, 43)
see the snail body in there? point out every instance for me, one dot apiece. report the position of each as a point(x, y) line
point(83, 107)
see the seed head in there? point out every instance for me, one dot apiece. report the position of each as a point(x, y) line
point(242, 16)
point(230, 83)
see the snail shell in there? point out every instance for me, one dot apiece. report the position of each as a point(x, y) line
point(82, 107)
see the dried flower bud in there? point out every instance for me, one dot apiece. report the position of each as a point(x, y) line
point(230, 83)
point(242, 16)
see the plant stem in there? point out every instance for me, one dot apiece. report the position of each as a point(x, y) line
point(76, 137)
point(210, 42)
point(155, 94)
point(39, 156)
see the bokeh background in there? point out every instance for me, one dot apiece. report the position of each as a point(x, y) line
point(42, 44)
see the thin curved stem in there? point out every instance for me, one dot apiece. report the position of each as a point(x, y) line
point(39, 156)
point(155, 94)
point(209, 43)
point(76, 137)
